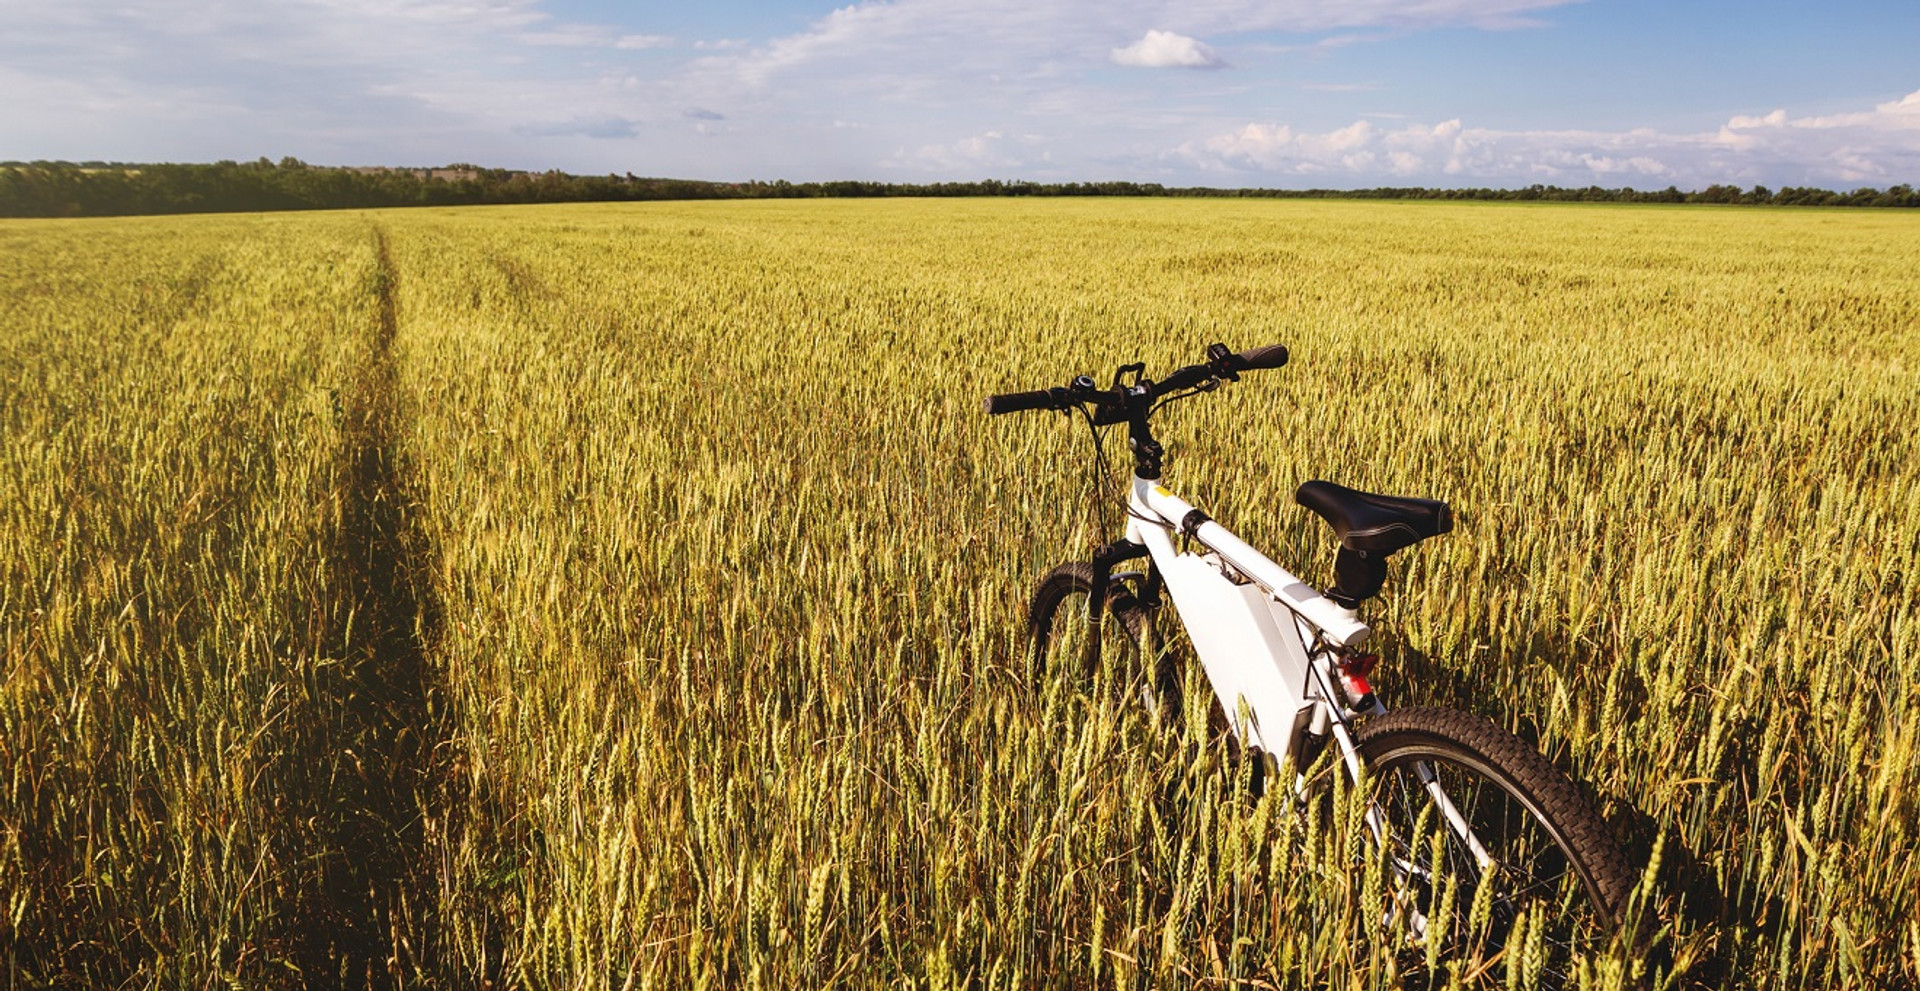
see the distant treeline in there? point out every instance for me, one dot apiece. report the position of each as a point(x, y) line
point(95, 189)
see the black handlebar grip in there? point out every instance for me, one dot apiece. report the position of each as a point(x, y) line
point(1015, 402)
point(1271, 356)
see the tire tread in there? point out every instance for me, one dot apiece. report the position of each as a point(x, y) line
point(1589, 843)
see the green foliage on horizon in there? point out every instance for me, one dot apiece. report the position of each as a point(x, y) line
point(98, 189)
point(696, 581)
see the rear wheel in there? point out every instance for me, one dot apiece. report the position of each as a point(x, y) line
point(1548, 881)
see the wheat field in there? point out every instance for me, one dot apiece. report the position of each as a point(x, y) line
point(632, 596)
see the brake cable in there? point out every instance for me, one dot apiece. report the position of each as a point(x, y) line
point(1099, 470)
point(1209, 386)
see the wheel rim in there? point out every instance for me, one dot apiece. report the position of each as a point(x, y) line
point(1062, 649)
point(1527, 914)
point(1062, 633)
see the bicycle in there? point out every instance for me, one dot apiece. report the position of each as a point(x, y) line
point(1288, 673)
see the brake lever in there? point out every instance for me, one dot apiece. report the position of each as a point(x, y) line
point(1221, 359)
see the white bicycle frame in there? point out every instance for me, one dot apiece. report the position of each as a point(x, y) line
point(1255, 628)
point(1252, 623)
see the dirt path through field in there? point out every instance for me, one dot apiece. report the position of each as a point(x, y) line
point(380, 892)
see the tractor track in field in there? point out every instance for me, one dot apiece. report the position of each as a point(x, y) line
point(390, 786)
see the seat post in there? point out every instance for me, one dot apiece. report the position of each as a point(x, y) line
point(1370, 528)
point(1357, 576)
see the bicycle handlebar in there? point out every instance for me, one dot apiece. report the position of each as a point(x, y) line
point(1017, 402)
point(1220, 364)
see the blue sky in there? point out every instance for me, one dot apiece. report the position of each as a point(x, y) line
point(1295, 93)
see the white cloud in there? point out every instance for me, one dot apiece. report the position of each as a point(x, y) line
point(572, 36)
point(937, 89)
point(425, 80)
point(604, 126)
point(970, 156)
point(1881, 145)
point(930, 45)
point(920, 71)
point(395, 81)
point(1877, 146)
point(1279, 148)
point(1775, 119)
point(1896, 115)
point(1166, 50)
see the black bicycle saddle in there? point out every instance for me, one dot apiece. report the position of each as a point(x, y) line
point(1375, 524)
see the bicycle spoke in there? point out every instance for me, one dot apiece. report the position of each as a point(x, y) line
point(1536, 887)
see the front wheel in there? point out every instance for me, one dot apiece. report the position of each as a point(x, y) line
point(1066, 643)
point(1492, 849)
